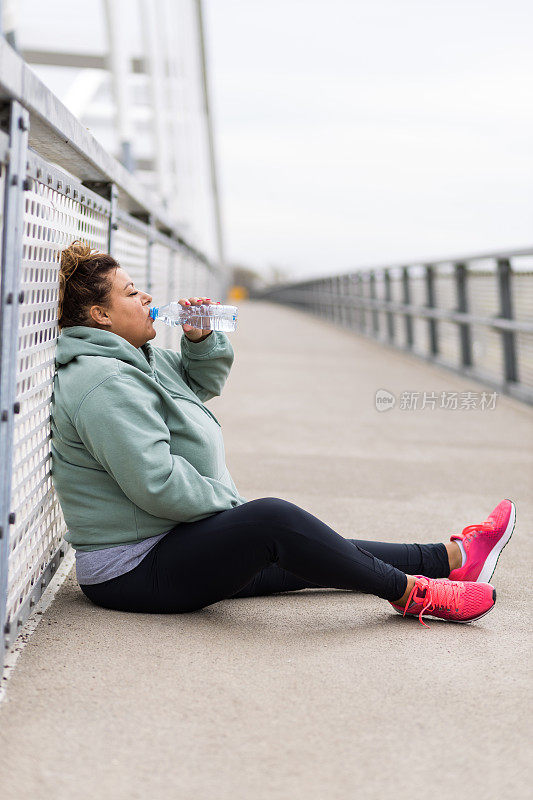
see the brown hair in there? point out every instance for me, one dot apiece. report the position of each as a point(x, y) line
point(83, 282)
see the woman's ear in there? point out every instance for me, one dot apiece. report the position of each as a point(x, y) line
point(99, 315)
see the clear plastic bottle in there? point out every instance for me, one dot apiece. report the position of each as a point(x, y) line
point(216, 317)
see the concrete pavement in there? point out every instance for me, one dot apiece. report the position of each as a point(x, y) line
point(318, 693)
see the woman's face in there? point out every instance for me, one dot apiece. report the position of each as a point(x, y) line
point(127, 314)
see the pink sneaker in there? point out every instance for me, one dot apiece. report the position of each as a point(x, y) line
point(446, 599)
point(483, 544)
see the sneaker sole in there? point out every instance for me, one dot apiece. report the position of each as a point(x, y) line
point(460, 621)
point(492, 559)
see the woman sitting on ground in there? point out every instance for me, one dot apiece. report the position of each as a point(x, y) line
point(152, 511)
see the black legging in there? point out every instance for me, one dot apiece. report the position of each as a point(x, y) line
point(261, 547)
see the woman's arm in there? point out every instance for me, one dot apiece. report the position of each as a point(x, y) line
point(205, 365)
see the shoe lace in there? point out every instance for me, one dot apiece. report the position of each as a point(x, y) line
point(471, 531)
point(443, 594)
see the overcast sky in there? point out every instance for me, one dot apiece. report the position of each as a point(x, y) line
point(356, 133)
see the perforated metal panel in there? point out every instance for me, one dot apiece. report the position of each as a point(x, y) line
point(446, 297)
point(195, 280)
point(380, 295)
point(198, 280)
point(172, 335)
point(487, 352)
point(203, 282)
point(130, 248)
point(417, 286)
point(524, 349)
point(522, 294)
point(186, 287)
point(396, 296)
point(51, 221)
point(161, 262)
point(483, 301)
point(522, 298)
point(483, 293)
point(364, 286)
point(349, 294)
point(397, 293)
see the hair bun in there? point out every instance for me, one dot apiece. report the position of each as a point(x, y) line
point(72, 256)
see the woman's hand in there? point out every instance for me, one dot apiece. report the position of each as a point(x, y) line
point(196, 334)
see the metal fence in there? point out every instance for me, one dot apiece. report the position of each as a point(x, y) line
point(57, 184)
point(473, 315)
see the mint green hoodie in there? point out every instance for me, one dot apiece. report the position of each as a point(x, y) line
point(134, 449)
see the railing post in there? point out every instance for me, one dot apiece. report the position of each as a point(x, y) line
point(375, 317)
point(388, 298)
point(430, 303)
point(506, 312)
point(462, 306)
point(407, 301)
point(11, 298)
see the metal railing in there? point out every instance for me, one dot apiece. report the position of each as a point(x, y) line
point(473, 315)
point(58, 184)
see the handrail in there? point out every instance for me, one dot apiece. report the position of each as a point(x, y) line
point(484, 256)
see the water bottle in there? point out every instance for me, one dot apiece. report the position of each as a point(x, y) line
point(215, 317)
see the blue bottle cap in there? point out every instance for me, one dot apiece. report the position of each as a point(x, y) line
point(153, 312)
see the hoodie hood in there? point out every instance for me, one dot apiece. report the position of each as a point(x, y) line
point(80, 340)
